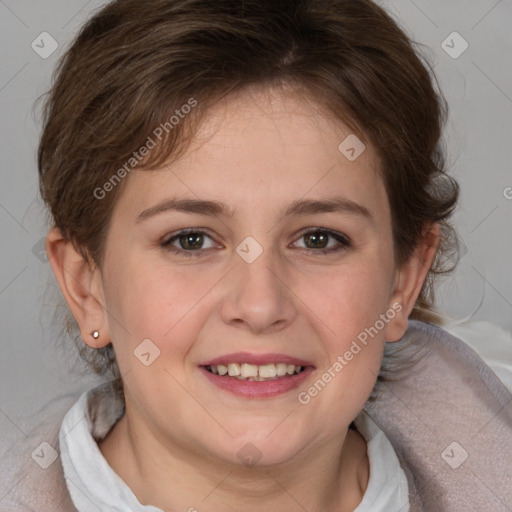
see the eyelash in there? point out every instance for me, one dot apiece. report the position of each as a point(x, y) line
point(343, 240)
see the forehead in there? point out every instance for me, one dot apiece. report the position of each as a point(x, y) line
point(260, 149)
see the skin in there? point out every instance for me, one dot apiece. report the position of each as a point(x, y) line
point(177, 444)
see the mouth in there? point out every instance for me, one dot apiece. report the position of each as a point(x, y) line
point(256, 376)
point(253, 372)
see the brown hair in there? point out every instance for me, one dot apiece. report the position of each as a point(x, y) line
point(134, 64)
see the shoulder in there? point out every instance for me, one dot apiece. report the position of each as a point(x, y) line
point(449, 419)
point(492, 343)
point(30, 468)
point(471, 350)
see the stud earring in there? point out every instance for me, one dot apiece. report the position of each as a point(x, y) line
point(95, 334)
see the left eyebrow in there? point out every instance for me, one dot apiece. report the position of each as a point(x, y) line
point(334, 204)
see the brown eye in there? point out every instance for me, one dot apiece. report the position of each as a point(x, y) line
point(316, 240)
point(323, 241)
point(191, 241)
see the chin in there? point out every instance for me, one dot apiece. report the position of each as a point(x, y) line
point(258, 449)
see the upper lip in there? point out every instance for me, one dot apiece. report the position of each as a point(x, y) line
point(257, 359)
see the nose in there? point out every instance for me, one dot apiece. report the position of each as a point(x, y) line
point(258, 296)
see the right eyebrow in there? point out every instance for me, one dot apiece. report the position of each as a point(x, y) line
point(213, 208)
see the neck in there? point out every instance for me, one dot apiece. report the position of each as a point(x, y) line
point(332, 476)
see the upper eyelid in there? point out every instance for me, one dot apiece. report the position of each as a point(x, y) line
point(314, 229)
point(186, 231)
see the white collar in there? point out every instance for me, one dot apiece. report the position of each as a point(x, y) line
point(92, 483)
point(388, 490)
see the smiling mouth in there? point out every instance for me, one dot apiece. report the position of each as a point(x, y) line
point(255, 373)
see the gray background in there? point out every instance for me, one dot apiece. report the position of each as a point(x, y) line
point(35, 366)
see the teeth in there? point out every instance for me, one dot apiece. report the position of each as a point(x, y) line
point(249, 370)
point(267, 370)
point(234, 369)
point(253, 372)
point(281, 369)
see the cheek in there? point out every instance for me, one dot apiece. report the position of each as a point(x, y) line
point(148, 301)
point(345, 311)
point(349, 298)
point(346, 306)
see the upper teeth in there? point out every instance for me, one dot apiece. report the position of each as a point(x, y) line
point(264, 371)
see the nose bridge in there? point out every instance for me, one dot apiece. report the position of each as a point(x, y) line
point(262, 274)
point(258, 295)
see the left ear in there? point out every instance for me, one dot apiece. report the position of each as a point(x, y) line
point(409, 280)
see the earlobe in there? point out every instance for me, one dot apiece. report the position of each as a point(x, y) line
point(81, 284)
point(409, 280)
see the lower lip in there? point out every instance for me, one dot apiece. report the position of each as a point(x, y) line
point(258, 389)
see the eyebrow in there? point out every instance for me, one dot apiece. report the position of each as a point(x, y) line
point(300, 207)
point(333, 204)
point(212, 208)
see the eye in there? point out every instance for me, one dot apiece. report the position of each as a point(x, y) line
point(192, 242)
point(323, 241)
point(189, 240)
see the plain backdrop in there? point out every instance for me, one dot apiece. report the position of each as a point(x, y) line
point(477, 82)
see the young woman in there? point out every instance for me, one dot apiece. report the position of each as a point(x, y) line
point(249, 203)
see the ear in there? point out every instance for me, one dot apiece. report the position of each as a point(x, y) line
point(82, 287)
point(409, 280)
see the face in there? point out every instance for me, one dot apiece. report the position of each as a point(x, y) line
point(262, 250)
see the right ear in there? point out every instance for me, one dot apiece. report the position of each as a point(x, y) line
point(82, 286)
